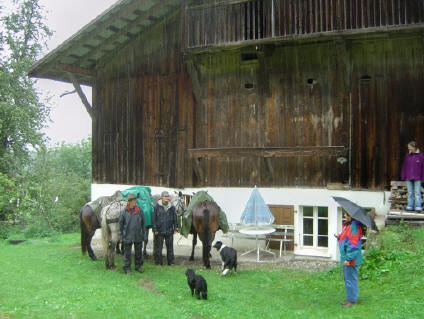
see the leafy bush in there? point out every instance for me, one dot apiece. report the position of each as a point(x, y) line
point(395, 250)
point(58, 185)
point(4, 230)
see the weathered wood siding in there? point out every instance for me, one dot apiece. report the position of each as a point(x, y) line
point(144, 105)
point(361, 94)
point(388, 106)
point(293, 97)
point(217, 23)
point(305, 113)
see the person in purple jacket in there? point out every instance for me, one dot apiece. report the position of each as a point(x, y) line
point(413, 174)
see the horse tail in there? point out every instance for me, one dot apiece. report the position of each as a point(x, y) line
point(206, 236)
point(84, 236)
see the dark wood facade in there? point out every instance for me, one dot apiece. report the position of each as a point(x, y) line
point(197, 103)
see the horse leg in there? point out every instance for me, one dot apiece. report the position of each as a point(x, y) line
point(89, 249)
point(194, 245)
point(206, 253)
point(145, 241)
point(119, 247)
point(112, 256)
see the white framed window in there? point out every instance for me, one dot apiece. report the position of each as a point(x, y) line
point(314, 226)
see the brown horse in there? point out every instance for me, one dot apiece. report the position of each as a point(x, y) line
point(90, 220)
point(88, 224)
point(205, 222)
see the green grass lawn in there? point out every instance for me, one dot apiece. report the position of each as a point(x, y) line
point(51, 279)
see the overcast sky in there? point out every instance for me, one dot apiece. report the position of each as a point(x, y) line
point(71, 123)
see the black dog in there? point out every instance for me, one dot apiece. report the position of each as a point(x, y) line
point(228, 257)
point(198, 283)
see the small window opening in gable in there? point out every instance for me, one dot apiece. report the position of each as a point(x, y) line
point(311, 81)
point(365, 78)
point(249, 86)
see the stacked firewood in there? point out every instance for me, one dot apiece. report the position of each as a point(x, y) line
point(399, 195)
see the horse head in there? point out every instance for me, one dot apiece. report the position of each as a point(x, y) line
point(178, 201)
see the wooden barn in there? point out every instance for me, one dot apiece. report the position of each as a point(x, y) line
point(304, 98)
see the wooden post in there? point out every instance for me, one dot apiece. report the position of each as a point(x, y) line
point(81, 94)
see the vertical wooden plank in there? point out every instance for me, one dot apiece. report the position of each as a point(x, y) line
point(243, 21)
point(390, 13)
point(341, 13)
point(403, 12)
point(302, 16)
point(255, 19)
point(348, 14)
point(383, 13)
point(236, 15)
point(365, 14)
point(371, 16)
point(290, 17)
point(328, 15)
point(420, 12)
point(278, 13)
point(377, 13)
point(297, 16)
point(315, 15)
point(307, 17)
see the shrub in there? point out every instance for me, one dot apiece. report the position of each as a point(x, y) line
point(393, 252)
point(4, 230)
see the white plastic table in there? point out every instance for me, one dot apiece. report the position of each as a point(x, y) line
point(257, 232)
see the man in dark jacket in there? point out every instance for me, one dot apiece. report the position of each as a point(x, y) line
point(164, 224)
point(131, 231)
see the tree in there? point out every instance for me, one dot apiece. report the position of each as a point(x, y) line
point(57, 185)
point(23, 35)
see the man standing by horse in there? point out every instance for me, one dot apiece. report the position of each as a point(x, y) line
point(131, 231)
point(164, 224)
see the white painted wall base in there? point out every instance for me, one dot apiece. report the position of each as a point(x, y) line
point(233, 200)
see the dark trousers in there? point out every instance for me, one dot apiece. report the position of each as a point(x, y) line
point(138, 256)
point(158, 245)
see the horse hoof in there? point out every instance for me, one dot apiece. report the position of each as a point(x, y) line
point(93, 258)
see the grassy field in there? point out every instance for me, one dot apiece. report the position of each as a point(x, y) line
point(44, 278)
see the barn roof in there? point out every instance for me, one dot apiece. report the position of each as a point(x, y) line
point(103, 36)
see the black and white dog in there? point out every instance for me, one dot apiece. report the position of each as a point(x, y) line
point(197, 283)
point(228, 257)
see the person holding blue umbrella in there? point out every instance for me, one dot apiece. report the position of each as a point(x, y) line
point(351, 258)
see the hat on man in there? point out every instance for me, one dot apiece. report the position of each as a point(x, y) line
point(131, 197)
point(164, 194)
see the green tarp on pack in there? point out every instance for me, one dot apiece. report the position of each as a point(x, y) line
point(199, 197)
point(144, 200)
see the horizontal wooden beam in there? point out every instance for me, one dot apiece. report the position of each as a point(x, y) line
point(77, 70)
point(268, 151)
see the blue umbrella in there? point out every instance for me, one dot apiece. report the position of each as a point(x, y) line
point(256, 211)
point(357, 212)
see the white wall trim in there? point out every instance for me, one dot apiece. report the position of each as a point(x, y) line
point(232, 201)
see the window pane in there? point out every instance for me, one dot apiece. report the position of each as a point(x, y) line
point(322, 211)
point(308, 240)
point(323, 227)
point(308, 211)
point(308, 226)
point(322, 241)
